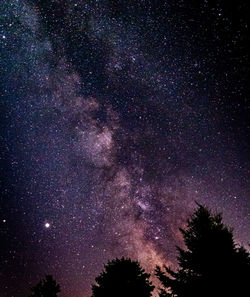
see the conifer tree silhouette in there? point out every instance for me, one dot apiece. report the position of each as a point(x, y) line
point(211, 265)
point(46, 288)
point(124, 278)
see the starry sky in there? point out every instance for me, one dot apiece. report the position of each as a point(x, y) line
point(116, 116)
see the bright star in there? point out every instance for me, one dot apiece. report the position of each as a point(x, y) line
point(47, 225)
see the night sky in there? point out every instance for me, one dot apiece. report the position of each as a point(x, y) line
point(116, 116)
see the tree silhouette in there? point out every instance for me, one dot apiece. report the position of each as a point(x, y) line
point(123, 278)
point(46, 288)
point(211, 265)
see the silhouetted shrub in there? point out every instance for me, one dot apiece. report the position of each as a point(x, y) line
point(123, 278)
point(46, 288)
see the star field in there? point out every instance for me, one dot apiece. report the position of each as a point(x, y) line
point(116, 116)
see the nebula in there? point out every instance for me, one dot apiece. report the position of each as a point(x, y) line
point(117, 118)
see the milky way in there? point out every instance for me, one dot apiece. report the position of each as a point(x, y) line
point(116, 116)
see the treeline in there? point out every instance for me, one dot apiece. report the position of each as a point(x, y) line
point(211, 265)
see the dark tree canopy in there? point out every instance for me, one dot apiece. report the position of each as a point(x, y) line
point(123, 278)
point(211, 265)
point(46, 288)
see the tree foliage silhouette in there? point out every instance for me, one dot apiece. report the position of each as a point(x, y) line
point(122, 277)
point(211, 264)
point(46, 288)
